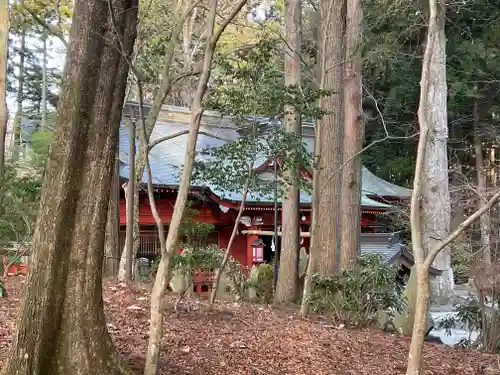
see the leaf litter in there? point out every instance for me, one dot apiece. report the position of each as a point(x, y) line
point(236, 339)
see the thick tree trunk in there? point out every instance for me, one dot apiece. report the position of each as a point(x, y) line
point(112, 243)
point(290, 241)
point(350, 205)
point(481, 185)
point(327, 245)
point(313, 259)
point(62, 327)
point(436, 210)
point(4, 111)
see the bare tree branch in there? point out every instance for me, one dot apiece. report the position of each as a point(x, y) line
point(461, 227)
point(377, 141)
point(55, 30)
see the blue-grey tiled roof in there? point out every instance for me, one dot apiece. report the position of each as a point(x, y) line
point(378, 243)
point(166, 160)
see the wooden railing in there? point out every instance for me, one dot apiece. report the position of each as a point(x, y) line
point(149, 243)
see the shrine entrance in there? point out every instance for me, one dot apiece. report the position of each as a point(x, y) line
point(269, 254)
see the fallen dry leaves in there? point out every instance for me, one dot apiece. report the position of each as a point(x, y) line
point(236, 339)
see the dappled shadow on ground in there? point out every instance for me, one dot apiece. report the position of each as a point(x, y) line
point(245, 339)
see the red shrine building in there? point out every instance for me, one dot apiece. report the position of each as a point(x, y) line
point(220, 208)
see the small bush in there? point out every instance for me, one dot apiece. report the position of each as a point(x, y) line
point(263, 284)
point(461, 274)
point(460, 263)
point(359, 296)
point(3, 290)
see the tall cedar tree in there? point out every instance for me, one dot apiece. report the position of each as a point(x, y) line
point(327, 243)
point(350, 204)
point(436, 209)
point(286, 288)
point(62, 328)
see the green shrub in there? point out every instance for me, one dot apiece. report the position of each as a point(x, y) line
point(460, 263)
point(461, 273)
point(263, 284)
point(472, 317)
point(359, 296)
point(3, 290)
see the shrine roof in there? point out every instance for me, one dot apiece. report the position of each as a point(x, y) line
point(166, 158)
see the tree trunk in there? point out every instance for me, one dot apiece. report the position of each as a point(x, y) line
point(62, 327)
point(457, 180)
point(122, 268)
point(4, 111)
point(112, 243)
point(163, 275)
point(436, 210)
point(332, 27)
point(313, 259)
point(131, 252)
point(286, 288)
point(420, 189)
point(227, 252)
point(481, 184)
point(350, 205)
point(427, 117)
point(16, 131)
point(415, 356)
point(44, 81)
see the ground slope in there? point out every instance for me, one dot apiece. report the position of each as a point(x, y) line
point(238, 339)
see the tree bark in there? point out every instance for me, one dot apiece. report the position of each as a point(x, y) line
point(481, 184)
point(197, 108)
point(418, 221)
point(328, 225)
point(350, 204)
point(44, 81)
point(436, 210)
point(227, 252)
point(425, 257)
point(4, 111)
point(415, 355)
point(313, 259)
point(112, 242)
point(62, 327)
point(16, 131)
point(129, 260)
point(286, 287)
point(122, 267)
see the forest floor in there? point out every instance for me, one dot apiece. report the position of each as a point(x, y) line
point(234, 339)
